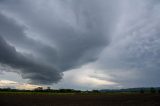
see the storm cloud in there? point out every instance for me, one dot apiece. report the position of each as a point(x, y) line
point(41, 40)
point(49, 44)
point(35, 71)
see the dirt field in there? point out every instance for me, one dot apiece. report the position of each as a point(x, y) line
point(80, 100)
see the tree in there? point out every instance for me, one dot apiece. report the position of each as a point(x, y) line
point(38, 89)
point(152, 90)
point(48, 88)
point(95, 91)
point(142, 91)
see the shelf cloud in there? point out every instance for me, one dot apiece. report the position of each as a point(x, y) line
point(43, 40)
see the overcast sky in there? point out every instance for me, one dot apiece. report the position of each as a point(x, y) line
point(80, 44)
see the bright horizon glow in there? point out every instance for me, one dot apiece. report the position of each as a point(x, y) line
point(16, 85)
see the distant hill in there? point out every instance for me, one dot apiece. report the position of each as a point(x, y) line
point(145, 89)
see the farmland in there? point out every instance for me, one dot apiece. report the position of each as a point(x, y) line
point(78, 99)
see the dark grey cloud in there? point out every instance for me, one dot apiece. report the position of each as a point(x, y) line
point(15, 34)
point(30, 69)
point(53, 40)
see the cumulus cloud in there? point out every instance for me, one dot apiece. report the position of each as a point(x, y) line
point(43, 39)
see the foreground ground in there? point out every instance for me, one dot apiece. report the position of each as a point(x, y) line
point(117, 99)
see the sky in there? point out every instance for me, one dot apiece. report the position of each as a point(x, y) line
point(79, 44)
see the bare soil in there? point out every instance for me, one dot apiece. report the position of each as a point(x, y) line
point(80, 100)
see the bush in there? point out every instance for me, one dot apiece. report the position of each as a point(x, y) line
point(95, 91)
point(152, 90)
point(142, 91)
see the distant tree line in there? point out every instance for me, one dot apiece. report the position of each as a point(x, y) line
point(48, 89)
point(151, 90)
